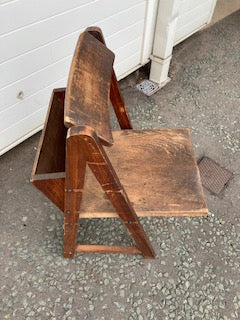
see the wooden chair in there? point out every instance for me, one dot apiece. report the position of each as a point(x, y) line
point(142, 172)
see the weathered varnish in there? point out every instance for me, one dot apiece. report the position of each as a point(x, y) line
point(88, 171)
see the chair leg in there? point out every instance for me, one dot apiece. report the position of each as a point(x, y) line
point(97, 160)
point(128, 216)
point(74, 182)
point(105, 174)
point(70, 234)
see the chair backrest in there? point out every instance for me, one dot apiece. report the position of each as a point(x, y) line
point(87, 98)
point(92, 84)
point(115, 94)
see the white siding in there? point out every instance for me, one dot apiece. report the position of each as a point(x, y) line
point(37, 40)
point(193, 15)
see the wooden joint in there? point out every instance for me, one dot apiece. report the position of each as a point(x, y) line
point(96, 163)
point(68, 254)
point(113, 191)
point(70, 224)
point(131, 222)
point(74, 190)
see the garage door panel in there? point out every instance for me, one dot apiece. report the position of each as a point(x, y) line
point(19, 67)
point(33, 83)
point(31, 104)
point(193, 15)
point(20, 131)
point(37, 48)
point(128, 63)
point(28, 11)
point(44, 32)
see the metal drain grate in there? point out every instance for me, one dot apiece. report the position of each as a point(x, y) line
point(214, 178)
point(148, 87)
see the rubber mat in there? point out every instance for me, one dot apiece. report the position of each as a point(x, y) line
point(213, 176)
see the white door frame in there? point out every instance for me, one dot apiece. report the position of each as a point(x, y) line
point(149, 29)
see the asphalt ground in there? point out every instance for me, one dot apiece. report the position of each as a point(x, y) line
point(196, 272)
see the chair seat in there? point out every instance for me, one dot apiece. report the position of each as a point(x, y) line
point(158, 170)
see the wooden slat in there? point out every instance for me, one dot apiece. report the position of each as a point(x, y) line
point(88, 91)
point(158, 171)
point(74, 182)
point(115, 94)
point(107, 249)
point(100, 215)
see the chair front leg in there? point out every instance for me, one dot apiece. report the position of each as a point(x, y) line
point(74, 182)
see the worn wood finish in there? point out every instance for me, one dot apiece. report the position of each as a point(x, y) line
point(88, 91)
point(107, 249)
point(97, 160)
point(50, 156)
point(119, 105)
point(75, 173)
point(48, 174)
point(158, 171)
point(115, 94)
point(52, 185)
point(145, 173)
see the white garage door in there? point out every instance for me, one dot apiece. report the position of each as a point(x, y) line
point(37, 40)
point(193, 15)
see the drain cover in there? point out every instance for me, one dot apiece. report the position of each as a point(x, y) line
point(214, 178)
point(148, 87)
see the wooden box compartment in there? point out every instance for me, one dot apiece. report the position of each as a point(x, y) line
point(49, 168)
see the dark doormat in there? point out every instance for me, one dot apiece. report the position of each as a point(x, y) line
point(214, 177)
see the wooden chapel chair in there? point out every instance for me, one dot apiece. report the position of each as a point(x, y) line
point(142, 172)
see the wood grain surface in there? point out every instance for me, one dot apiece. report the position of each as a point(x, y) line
point(50, 155)
point(158, 171)
point(107, 249)
point(88, 90)
point(117, 100)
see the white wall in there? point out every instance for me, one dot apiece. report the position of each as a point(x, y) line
point(193, 15)
point(177, 20)
point(37, 40)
